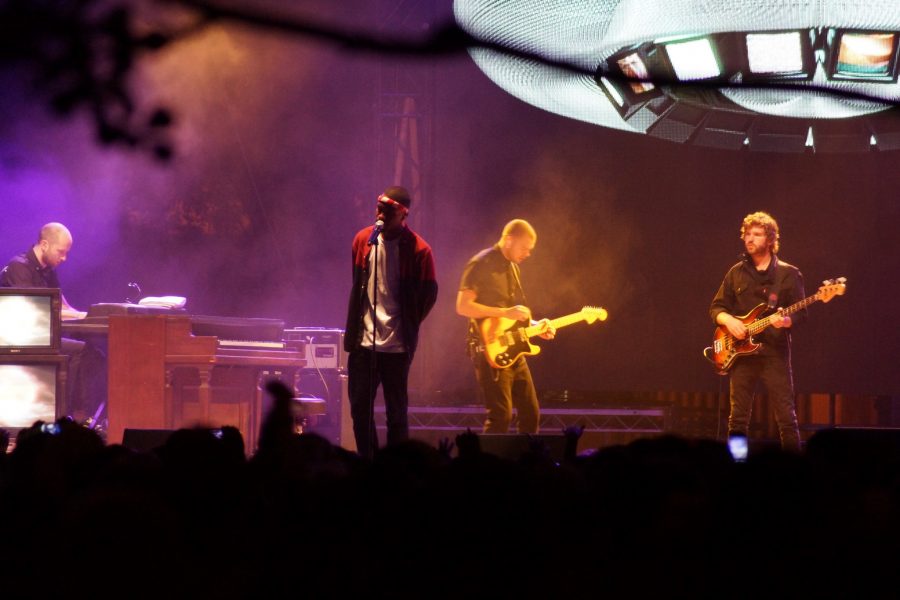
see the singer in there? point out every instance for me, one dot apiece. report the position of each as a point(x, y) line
point(394, 288)
point(759, 277)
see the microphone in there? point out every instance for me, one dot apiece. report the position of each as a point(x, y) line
point(137, 289)
point(379, 225)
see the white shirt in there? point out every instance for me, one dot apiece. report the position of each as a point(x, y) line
point(387, 303)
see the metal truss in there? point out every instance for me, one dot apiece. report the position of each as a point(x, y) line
point(405, 111)
point(455, 418)
point(404, 125)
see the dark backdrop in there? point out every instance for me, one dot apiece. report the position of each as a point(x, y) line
point(276, 169)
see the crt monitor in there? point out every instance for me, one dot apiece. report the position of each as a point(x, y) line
point(693, 59)
point(628, 84)
point(28, 391)
point(778, 55)
point(864, 56)
point(634, 68)
point(29, 320)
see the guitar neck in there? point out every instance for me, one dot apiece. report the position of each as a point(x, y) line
point(556, 323)
point(761, 324)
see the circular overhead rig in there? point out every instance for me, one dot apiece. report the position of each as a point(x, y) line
point(817, 76)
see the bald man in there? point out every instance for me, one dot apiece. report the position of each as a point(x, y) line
point(37, 267)
point(490, 287)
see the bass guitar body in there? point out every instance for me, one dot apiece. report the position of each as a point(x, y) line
point(726, 348)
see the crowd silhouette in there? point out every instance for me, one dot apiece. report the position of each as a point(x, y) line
point(304, 518)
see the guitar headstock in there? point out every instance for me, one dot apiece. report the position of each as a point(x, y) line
point(593, 313)
point(831, 288)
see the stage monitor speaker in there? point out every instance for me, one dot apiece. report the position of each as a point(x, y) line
point(512, 446)
point(146, 440)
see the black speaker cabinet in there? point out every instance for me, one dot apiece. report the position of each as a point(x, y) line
point(145, 440)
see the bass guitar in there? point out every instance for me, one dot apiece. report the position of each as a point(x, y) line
point(726, 348)
point(505, 340)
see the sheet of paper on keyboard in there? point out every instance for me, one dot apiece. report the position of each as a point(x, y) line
point(165, 301)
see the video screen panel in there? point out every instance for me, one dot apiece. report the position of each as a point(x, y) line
point(633, 67)
point(693, 60)
point(27, 394)
point(775, 53)
point(26, 321)
point(866, 56)
point(30, 320)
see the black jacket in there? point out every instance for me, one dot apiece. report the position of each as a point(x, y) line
point(744, 288)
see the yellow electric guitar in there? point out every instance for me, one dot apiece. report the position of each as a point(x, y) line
point(726, 348)
point(504, 340)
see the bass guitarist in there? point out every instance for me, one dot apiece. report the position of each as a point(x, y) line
point(761, 277)
point(490, 287)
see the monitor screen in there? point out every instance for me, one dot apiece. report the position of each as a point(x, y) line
point(775, 53)
point(29, 320)
point(693, 59)
point(621, 82)
point(27, 394)
point(633, 67)
point(866, 56)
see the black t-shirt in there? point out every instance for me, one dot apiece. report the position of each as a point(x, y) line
point(495, 281)
point(24, 270)
point(493, 278)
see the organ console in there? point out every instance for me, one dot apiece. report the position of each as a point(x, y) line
point(169, 369)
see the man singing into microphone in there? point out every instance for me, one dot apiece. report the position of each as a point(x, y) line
point(394, 288)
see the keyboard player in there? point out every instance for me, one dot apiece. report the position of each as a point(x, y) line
point(36, 267)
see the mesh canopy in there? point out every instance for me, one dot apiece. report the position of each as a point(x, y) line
point(585, 33)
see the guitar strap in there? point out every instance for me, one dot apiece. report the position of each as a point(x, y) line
point(518, 294)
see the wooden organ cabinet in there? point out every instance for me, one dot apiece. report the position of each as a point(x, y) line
point(163, 376)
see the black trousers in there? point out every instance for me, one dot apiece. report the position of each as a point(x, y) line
point(74, 349)
point(86, 386)
point(772, 368)
point(505, 389)
point(366, 371)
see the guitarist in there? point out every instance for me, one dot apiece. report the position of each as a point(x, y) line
point(761, 277)
point(490, 287)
